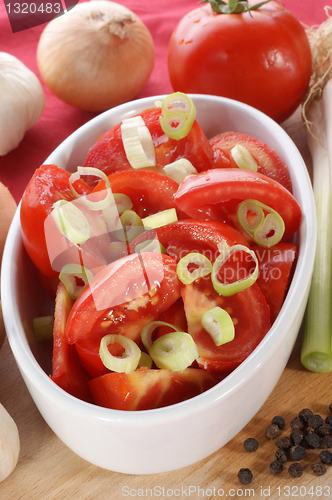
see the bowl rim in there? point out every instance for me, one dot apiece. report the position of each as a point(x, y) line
point(30, 367)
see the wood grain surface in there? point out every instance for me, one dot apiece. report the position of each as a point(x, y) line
point(48, 470)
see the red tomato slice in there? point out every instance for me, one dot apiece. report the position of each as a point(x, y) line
point(127, 294)
point(150, 192)
point(275, 271)
point(48, 185)
point(268, 161)
point(249, 312)
point(146, 389)
point(217, 193)
point(185, 236)
point(67, 371)
point(109, 156)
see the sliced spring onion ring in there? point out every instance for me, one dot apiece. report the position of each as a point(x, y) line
point(227, 289)
point(250, 215)
point(115, 250)
point(265, 230)
point(150, 246)
point(75, 278)
point(147, 331)
point(43, 327)
point(160, 219)
point(174, 351)
point(218, 323)
point(178, 102)
point(92, 200)
point(71, 221)
point(138, 143)
point(271, 231)
point(178, 115)
point(130, 226)
point(125, 364)
point(111, 213)
point(243, 158)
point(179, 169)
point(202, 264)
point(145, 360)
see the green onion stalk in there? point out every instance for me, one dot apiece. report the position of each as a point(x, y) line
point(316, 352)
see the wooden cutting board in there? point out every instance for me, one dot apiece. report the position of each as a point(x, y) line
point(48, 470)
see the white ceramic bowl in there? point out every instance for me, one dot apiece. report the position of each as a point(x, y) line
point(173, 437)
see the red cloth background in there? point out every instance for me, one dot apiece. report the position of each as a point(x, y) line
point(59, 119)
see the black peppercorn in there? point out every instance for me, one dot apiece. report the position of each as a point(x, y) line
point(272, 431)
point(330, 407)
point(279, 421)
point(312, 441)
point(326, 457)
point(295, 469)
point(297, 437)
point(326, 442)
point(245, 476)
point(297, 453)
point(328, 420)
point(276, 466)
point(283, 443)
point(310, 430)
point(281, 456)
point(318, 468)
point(296, 424)
point(250, 444)
point(324, 430)
point(305, 414)
point(315, 421)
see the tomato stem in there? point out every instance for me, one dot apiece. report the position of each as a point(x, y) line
point(234, 6)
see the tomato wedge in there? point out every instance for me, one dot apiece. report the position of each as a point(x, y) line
point(127, 294)
point(150, 192)
point(268, 161)
point(249, 312)
point(48, 185)
point(217, 193)
point(67, 371)
point(108, 153)
point(146, 389)
point(275, 271)
point(185, 236)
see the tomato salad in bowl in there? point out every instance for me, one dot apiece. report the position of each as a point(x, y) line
point(175, 289)
point(173, 255)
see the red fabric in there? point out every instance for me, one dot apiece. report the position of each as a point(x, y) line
point(59, 119)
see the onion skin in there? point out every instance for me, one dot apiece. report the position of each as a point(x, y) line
point(96, 56)
point(7, 210)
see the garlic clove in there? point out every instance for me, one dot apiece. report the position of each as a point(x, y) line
point(9, 444)
point(22, 101)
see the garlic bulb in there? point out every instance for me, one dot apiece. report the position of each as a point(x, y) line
point(96, 56)
point(21, 101)
point(9, 444)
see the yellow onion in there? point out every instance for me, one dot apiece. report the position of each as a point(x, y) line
point(96, 56)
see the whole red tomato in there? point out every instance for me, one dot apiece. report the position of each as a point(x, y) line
point(260, 57)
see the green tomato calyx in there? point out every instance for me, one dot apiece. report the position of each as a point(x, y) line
point(233, 6)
